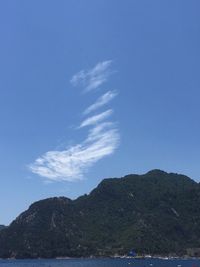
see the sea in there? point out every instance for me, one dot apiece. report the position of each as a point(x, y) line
point(101, 263)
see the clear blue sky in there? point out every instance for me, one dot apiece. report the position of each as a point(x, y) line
point(154, 49)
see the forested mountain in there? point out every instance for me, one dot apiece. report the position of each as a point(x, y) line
point(2, 227)
point(154, 213)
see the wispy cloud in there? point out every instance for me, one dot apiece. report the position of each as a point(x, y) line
point(72, 163)
point(101, 101)
point(96, 118)
point(92, 78)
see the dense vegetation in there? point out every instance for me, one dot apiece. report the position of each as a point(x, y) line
point(1, 227)
point(155, 213)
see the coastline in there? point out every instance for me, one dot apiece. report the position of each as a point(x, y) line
point(142, 257)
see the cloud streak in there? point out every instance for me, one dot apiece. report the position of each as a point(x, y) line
point(96, 118)
point(101, 101)
point(92, 78)
point(72, 163)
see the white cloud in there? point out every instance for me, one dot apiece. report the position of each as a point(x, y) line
point(101, 101)
point(92, 78)
point(96, 118)
point(72, 163)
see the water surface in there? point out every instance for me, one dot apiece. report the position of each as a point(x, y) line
point(100, 263)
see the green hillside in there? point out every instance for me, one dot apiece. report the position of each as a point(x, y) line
point(155, 213)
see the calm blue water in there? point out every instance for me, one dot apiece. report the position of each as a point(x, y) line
point(100, 263)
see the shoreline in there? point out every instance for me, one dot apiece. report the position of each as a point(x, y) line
point(147, 257)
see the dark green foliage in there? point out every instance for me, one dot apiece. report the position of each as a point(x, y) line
point(156, 213)
point(2, 227)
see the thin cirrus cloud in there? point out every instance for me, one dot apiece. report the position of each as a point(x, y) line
point(70, 164)
point(96, 118)
point(101, 101)
point(93, 78)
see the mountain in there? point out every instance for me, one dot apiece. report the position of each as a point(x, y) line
point(154, 213)
point(2, 227)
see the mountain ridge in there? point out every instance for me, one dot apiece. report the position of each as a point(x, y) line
point(154, 213)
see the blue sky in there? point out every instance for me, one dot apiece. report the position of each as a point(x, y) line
point(125, 73)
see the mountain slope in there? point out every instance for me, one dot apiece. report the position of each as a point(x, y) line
point(156, 213)
point(2, 227)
